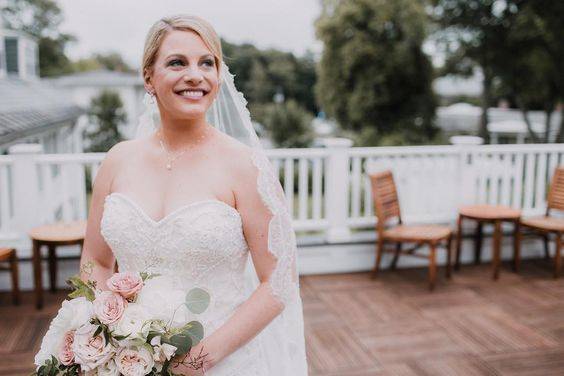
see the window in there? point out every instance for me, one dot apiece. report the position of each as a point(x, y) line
point(11, 45)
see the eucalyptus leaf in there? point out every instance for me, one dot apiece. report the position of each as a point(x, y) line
point(195, 330)
point(197, 300)
point(181, 341)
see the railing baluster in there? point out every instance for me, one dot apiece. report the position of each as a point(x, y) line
point(303, 188)
point(518, 174)
point(289, 183)
point(540, 193)
point(355, 186)
point(529, 181)
point(4, 198)
point(316, 189)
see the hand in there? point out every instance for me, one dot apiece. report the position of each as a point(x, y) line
point(195, 363)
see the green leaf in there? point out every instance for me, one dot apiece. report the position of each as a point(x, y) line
point(197, 300)
point(152, 334)
point(121, 337)
point(81, 288)
point(97, 331)
point(182, 342)
point(190, 335)
point(195, 331)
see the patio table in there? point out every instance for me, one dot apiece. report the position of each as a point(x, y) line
point(490, 214)
point(52, 236)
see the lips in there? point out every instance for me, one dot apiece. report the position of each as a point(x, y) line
point(192, 93)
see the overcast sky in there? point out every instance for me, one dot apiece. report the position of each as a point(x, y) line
point(121, 25)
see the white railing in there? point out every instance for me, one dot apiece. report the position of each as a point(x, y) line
point(328, 189)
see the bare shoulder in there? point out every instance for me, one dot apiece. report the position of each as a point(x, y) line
point(237, 157)
point(112, 161)
point(122, 151)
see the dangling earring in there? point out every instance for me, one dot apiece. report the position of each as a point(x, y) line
point(152, 97)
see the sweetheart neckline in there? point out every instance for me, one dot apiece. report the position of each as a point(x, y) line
point(172, 213)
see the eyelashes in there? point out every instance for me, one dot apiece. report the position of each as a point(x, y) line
point(178, 62)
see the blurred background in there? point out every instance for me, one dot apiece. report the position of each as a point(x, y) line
point(462, 100)
point(379, 72)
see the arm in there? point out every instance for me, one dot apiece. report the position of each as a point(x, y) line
point(253, 315)
point(95, 249)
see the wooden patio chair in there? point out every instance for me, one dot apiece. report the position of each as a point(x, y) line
point(387, 207)
point(547, 224)
point(8, 256)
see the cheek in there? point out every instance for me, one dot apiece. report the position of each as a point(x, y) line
point(165, 81)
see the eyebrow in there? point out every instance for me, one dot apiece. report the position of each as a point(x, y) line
point(181, 55)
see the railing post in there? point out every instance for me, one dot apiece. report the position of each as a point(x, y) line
point(25, 187)
point(337, 174)
point(466, 168)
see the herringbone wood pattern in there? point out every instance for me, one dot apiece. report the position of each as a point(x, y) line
point(391, 326)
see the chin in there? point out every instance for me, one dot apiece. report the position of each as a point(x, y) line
point(190, 111)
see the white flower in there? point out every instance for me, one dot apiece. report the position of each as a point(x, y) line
point(134, 361)
point(108, 369)
point(72, 314)
point(162, 351)
point(163, 300)
point(91, 351)
point(132, 322)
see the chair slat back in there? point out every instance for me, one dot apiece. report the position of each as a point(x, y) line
point(385, 197)
point(556, 192)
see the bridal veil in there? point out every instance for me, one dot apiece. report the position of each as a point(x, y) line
point(282, 340)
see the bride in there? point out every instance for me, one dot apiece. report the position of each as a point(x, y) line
point(193, 196)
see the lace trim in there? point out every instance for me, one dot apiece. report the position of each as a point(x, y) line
point(283, 282)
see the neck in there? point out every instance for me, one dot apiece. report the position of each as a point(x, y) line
point(179, 133)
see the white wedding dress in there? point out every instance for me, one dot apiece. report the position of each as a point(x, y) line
point(199, 244)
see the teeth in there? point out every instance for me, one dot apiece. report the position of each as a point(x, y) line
point(190, 93)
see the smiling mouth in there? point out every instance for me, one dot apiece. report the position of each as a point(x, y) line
point(192, 94)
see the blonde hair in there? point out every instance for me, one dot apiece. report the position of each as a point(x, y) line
point(185, 22)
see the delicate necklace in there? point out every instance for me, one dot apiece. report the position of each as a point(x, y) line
point(169, 159)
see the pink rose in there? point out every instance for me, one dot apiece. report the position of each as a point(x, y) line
point(109, 306)
point(90, 351)
point(134, 361)
point(66, 355)
point(127, 284)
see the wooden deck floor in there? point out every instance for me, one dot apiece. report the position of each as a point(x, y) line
point(392, 326)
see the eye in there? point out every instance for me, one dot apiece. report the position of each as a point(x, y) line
point(175, 62)
point(209, 62)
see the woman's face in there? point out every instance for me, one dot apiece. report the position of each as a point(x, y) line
point(184, 76)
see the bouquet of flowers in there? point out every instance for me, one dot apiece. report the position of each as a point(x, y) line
point(135, 328)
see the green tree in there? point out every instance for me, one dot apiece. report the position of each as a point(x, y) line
point(548, 17)
point(112, 61)
point(107, 113)
point(473, 33)
point(515, 43)
point(373, 72)
point(529, 76)
point(288, 124)
point(260, 74)
point(41, 19)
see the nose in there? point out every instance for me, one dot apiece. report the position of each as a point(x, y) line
point(193, 75)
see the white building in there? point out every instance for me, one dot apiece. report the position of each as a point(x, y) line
point(83, 87)
point(31, 111)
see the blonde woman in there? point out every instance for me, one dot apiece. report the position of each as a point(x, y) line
point(193, 196)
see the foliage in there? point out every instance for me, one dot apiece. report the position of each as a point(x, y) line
point(373, 72)
point(288, 124)
point(41, 19)
point(112, 61)
point(515, 43)
point(81, 288)
point(107, 113)
point(260, 74)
